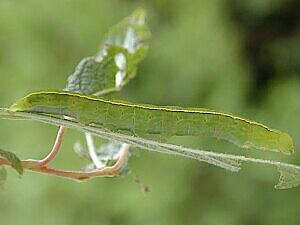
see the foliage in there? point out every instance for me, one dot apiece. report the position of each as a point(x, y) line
point(110, 70)
point(124, 47)
point(199, 57)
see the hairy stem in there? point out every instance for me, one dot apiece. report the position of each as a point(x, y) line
point(226, 161)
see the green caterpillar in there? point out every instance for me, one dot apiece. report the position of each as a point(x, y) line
point(143, 120)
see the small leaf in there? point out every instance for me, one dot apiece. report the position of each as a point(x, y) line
point(131, 34)
point(89, 76)
point(92, 76)
point(124, 46)
point(13, 159)
point(289, 176)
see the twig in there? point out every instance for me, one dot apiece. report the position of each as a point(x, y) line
point(52, 154)
point(110, 171)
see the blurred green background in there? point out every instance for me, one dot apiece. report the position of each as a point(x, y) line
point(229, 55)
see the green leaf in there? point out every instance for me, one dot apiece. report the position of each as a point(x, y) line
point(131, 33)
point(124, 46)
point(144, 121)
point(225, 161)
point(13, 159)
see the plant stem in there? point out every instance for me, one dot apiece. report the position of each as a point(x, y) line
point(41, 166)
point(51, 155)
point(110, 171)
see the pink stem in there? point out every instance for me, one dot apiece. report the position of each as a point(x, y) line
point(37, 166)
point(56, 147)
point(52, 154)
point(110, 171)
